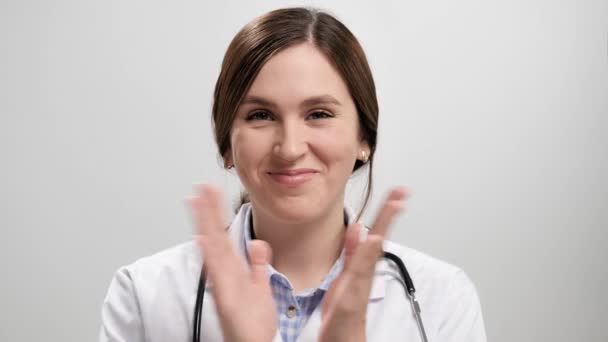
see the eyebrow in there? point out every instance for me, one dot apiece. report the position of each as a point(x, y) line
point(311, 101)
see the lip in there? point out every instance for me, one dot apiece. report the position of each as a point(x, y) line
point(292, 177)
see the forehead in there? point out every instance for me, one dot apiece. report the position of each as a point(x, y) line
point(297, 73)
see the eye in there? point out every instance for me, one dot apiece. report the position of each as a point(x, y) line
point(320, 115)
point(258, 115)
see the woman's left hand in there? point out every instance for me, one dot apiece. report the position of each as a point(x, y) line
point(344, 308)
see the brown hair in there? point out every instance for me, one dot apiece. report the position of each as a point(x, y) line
point(274, 31)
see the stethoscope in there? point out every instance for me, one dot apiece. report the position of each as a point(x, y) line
point(407, 283)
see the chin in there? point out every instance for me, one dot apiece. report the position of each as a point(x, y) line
point(295, 209)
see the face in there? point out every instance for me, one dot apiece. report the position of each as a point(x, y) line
point(296, 137)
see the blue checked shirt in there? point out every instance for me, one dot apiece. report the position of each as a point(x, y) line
point(294, 309)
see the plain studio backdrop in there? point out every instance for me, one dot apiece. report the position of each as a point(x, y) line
point(493, 112)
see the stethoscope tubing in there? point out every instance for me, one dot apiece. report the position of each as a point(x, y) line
point(410, 292)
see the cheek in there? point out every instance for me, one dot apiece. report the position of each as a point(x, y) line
point(337, 146)
point(246, 147)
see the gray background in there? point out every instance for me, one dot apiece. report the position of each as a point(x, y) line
point(494, 113)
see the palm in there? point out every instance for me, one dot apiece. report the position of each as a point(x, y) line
point(240, 291)
point(345, 304)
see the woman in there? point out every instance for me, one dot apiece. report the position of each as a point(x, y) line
point(295, 114)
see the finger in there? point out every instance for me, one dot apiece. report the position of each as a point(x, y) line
point(363, 263)
point(210, 209)
point(206, 220)
point(223, 264)
point(208, 254)
point(260, 255)
point(328, 297)
point(215, 258)
point(359, 275)
point(213, 220)
point(394, 203)
point(200, 205)
point(225, 269)
point(398, 193)
point(193, 204)
point(351, 240)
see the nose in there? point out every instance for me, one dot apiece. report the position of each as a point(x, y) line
point(291, 142)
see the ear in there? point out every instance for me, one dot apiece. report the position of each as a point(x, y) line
point(228, 160)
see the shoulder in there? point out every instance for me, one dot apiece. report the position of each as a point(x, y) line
point(420, 263)
point(161, 272)
point(446, 293)
point(174, 261)
point(433, 277)
point(151, 290)
point(164, 279)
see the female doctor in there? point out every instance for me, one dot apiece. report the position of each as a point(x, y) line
point(295, 115)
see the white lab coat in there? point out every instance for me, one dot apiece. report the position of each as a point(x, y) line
point(153, 299)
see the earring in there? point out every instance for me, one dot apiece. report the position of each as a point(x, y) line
point(364, 156)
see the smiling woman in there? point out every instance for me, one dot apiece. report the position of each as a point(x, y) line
point(295, 149)
point(295, 114)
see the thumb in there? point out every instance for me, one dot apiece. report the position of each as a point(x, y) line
point(260, 255)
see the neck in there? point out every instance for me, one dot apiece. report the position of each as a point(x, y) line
point(303, 251)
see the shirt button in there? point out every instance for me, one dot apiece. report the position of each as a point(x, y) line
point(291, 311)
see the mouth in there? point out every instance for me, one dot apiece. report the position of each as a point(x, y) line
point(292, 177)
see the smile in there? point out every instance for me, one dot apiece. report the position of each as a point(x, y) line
point(292, 177)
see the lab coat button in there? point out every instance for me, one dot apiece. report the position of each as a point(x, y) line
point(291, 311)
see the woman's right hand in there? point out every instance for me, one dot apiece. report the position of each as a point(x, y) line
point(242, 293)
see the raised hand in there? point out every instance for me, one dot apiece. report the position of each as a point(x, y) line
point(344, 307)
point(242, 293)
